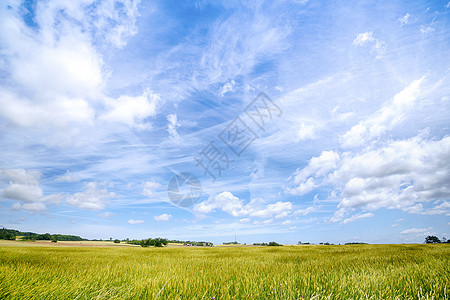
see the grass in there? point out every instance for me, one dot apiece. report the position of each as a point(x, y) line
point(289, 272)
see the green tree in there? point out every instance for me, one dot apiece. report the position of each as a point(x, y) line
point(274, 244)
point(431, 239)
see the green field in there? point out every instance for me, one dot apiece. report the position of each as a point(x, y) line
point(288, 272)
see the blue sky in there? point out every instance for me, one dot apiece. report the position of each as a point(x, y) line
point(102, 103)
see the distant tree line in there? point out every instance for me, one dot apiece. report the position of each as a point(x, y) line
point(160, 242)
point(7, 234)
point(11, 234)
point(53, 237)
point(267, 244)
point(199, 244)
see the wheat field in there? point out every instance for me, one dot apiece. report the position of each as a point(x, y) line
point(288, 272)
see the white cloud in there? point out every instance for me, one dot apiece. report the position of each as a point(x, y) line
point(24, 186)
point(234, 206)
point(107, 214)
point(405, 19)
point(225, 201)
point(443, 208)
point(384, 119)
point(305, 179)
point(150, 187)
point(172, 127)
point(277, 210)
point(24, 112)
point(232, 51)
point(54, 199)
point(163, 218)
point(133, 222)
point(426, 29)
point(35, 207)
point(94, 197)
point(115, 21)
point(357, 217)
point(363, 38)
point(378, 46)
point(305, 132)
point(287, 222)
point(227, 87)
point(56, 69)
point(416, 231)
point(304, 212)
point(401, 175)
point(132, 110)
point(68, 177)
point(22, 192)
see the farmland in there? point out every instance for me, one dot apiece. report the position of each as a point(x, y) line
point(67, 270)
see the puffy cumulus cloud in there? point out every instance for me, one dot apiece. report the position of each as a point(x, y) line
point(26, 112)
point(94, 197)
point(53, 67)
point(150, 187)
point(35, 207)
point(24, 186)
point(132, 111)
point(163, 218)
point(225, 201)
point(23, 192)
point(386, 118)
point(367, 38)
point(134, 222)
point(440, 209)
point(234, 206)
point(277, 210)
point(416, 233)
point(403, 175)
point(305, 132)
point(306, 179)
point(56, 74)
point(399, 175)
